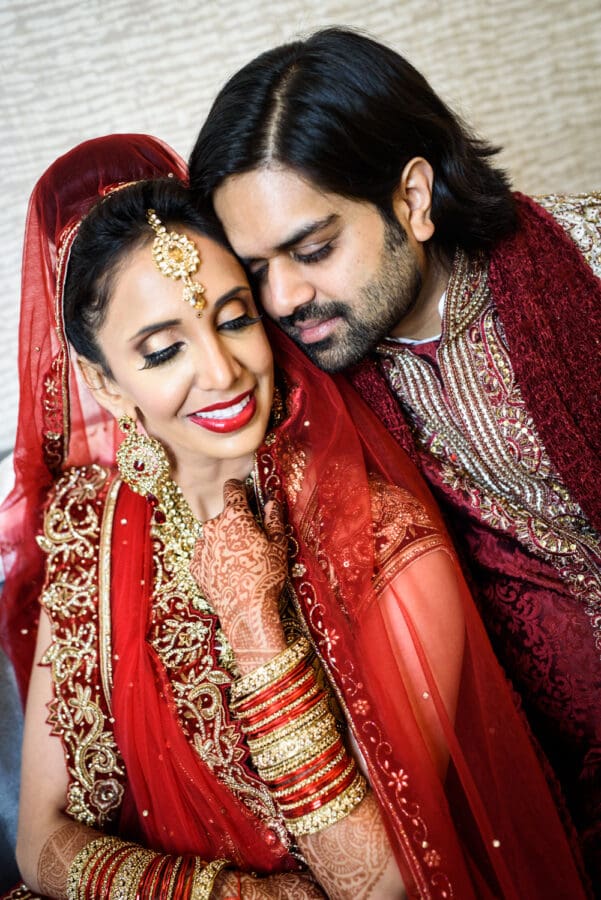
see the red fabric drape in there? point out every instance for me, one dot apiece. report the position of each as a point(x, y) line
point(59, 423)
point(481, 828)
point(174, 802)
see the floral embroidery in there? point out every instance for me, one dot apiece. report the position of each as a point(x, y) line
point(185, 633)
point(403, 530)
point(79, 713)
point(579, 215)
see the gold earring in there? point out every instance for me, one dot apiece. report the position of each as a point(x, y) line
point(142, 461)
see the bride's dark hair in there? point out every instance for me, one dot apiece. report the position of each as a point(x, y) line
point(115, 226)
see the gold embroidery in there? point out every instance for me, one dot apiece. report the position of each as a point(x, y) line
point(580, 216)
point(55, 404)
point(104, 595)
point(79, 714)
point(403, 530)
point(473, 420)
point(199, 662)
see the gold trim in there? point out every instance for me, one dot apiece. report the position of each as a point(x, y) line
point(470, 418)
point(66, 243)
point(104, 594)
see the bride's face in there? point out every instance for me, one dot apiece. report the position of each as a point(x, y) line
point(203, 385)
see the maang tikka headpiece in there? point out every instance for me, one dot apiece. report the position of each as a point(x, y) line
point(176, 257)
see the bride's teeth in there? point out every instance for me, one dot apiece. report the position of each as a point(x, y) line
point(228, 413)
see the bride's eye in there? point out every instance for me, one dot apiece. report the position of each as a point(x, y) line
point(237, 322)
point(159, 357)
point(237, 313)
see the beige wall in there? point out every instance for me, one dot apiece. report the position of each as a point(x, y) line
point(526, 73)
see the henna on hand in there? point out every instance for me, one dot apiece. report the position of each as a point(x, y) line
point(241, 569)
point(288, 886)
point(58, 854)
point(353, 859)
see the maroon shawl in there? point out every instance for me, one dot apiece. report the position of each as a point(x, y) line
point(549, 302)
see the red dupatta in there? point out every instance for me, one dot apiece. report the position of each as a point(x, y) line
point(173, 800)
point(59, 422)
point(480, 833)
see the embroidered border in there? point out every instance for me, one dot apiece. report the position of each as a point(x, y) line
point(79, 714)
point(474, 423)
point(412, 831)
point(198, 660)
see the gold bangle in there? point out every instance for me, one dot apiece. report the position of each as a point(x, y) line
point(300, 761)
point(80, 863)
point(204, 878)
point(318, 711)
point(107, 865)
point(177, 864)
point(295, 744)
point(127, 878)
point(331, 812)
point(271, 671)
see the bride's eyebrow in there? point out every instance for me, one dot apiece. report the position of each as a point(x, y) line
point(171, 323)
point(156, 326)
point(230, 294)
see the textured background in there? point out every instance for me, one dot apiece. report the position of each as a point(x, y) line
point(525, 73)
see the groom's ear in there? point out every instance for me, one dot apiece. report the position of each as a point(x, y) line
point(412, 199)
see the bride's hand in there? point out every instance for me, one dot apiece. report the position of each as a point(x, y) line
point(241, 570)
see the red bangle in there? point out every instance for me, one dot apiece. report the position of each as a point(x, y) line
point(286, 716)
point(291, 778)
point(275, 688)
point(312, 805)
point(314, 786)
point(104, 871)
point(252, 723)
point(184, 879)
point(152, 876)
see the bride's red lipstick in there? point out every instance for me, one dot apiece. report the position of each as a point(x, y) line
point(235, 414)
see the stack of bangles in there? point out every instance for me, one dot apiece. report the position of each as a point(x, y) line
point(118, 870)
point(295, 743)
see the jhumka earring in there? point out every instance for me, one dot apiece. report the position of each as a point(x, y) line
point(142, 462)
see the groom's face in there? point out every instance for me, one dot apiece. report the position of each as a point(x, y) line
point(333, 274)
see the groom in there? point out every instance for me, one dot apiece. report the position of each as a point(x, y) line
point(382, 238)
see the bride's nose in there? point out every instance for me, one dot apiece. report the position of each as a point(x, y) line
point(216, 366)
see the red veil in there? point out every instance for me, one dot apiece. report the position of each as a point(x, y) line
point(59, 424)
point(489, 827)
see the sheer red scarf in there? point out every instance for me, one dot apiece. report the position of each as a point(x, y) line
point(479, 833)
point(59, 423)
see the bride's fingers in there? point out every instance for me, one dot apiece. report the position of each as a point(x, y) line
point(274, 525)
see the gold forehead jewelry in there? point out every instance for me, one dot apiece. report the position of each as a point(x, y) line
point(175, 256)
